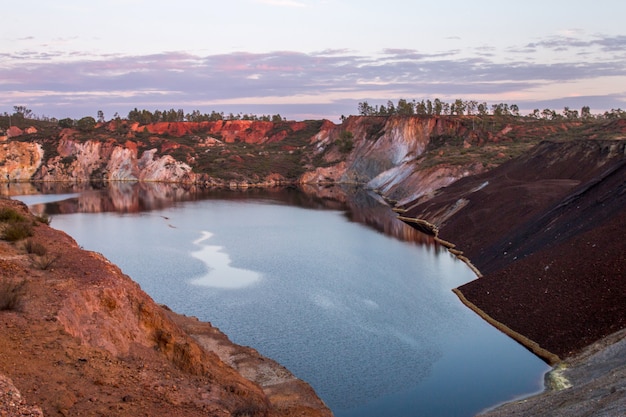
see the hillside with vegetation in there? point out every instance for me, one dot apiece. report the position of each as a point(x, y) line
point(219, 150)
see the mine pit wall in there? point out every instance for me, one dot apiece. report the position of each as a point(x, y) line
point(383, 157)
point(586, 206)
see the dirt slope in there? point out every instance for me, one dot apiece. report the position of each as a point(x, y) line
point(84, 339)
point(546, 230)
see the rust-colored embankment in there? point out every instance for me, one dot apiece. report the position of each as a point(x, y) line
point(546, 231)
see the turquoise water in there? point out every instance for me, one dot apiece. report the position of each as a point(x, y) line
point(368, 319)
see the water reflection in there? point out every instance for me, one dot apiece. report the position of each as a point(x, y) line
point(220, 272)
point(360, 205)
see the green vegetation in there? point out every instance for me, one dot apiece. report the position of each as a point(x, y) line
point(86, 124)
point(345, 142)
point(461, 107)
point(9, 215)
point(14, 226)
point(147, 117)
point(15, 231)
point(66, 123)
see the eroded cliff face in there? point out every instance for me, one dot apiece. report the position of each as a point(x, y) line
point(382, 154)
point(108, 160)
point(230, 131)
point(19, 160)
point(403, 158)
point(385, 153)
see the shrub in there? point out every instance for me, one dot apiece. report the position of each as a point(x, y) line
point(345, 142)
point(10, 215)
point(11, 294)
point(35, 248)
point(67, 122)
point(45, 261)
point(86, 124)
point(17, 230)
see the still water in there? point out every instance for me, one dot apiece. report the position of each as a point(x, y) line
point(349, 299)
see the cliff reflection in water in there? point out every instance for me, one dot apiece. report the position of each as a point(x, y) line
point(360, 205)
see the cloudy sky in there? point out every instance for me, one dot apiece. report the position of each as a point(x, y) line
point(308, 58)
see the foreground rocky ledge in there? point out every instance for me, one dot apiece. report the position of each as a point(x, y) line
point(592, 383)
point(84, 339)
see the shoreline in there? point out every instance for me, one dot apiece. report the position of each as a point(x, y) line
point(583, 384)
point(432, 230)
point(549, 357)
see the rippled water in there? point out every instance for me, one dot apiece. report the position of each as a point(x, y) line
point(369, 320)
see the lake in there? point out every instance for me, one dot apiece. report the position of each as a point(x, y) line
point(327, 282)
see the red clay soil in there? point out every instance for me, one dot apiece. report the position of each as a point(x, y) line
point(547, 232)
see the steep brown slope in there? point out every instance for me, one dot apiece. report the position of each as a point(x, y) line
point(546, 230)
point(85, 340)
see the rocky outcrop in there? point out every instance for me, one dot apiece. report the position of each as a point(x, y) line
point(407, 183)
point(385, 153)
point(107, 160)
point(382, 153)
point(12, 402)
point(19, 161)
point(230, 131)
point(83, 338)
point(381, 147)
point(593, 383)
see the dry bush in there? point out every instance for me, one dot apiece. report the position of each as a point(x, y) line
point(11, 294)
point(10, 215)
point(15, 226)
point(35, 248)
point(17, 230)
point(45, 261)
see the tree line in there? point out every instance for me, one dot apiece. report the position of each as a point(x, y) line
point(140, 116)
point(146, 117)
point(403, 107)
point(461, 107)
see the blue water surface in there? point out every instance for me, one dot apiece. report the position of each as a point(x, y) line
point(368, 319)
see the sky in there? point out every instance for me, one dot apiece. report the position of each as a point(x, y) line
point(308, 59)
